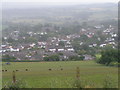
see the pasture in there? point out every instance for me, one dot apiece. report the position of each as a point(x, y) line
point(59, 74)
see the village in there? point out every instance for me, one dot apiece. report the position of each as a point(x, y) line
point(62, 45)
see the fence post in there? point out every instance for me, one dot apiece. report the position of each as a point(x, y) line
point(14, 78)
point(77, 73)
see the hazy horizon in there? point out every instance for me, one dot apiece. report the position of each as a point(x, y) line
point(82, 1)
point(11, 5)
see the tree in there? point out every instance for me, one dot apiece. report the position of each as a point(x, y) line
point(7, 58)
point(52, 58)
point(81, 52)
point(46, 58)
point(76, 58)
point(61, 43)
point(108, 56)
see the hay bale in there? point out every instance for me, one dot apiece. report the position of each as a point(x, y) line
point(17, 70)
point(49, 69)
point(61, 69)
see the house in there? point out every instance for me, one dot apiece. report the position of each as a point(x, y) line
point(67, 54)
point(60, 49)
point(81, 43)
point(112, 43)
point(5, 38)
point(90, 35)
point(107, 31)
point(68, 46)
point(90, 45)
point(32, 45)
point(102, 45)
point(14, 50)
point(30, 33)
point(98, 27)
point(3, 46)
point(3, 51)
point(114, 35)
point(88, 57)
point(52, 49)
point(94, 45)
point(68, 42)
point(43, 33)
point(70, 50)
point(42, 44)
point(109, 39)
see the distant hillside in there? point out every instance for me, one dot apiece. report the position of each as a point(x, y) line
point(63, 12)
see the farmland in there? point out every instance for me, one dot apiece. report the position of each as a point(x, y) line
point(39, 75)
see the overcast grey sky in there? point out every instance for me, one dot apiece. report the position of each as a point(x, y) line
point(23, 3)
point(81, 1)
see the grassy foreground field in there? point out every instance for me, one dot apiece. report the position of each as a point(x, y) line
point(38, 75)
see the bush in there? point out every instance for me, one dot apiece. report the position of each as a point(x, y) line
point(116, 64)
point(98, 56)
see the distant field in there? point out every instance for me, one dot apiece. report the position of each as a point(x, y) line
point(38, 75)
point(33, 21)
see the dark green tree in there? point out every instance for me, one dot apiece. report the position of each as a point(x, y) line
point(109, 55)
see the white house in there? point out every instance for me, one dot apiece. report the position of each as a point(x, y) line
point(114, 35)
point(3, 46)
point(71, 49)
point(94, 45)
point(14, 50)
point(52, 50)
point(90, 45)
point(102, 45)
point(68, 45)
point(32, 45)
point(113, 43)
point(61, 49)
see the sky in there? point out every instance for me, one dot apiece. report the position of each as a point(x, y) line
point(37, 3)
point(81, 1)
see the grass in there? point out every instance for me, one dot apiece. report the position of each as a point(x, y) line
point(0, 75)
point(39, 76)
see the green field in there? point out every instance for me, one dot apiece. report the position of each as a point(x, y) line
point(38, 75)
